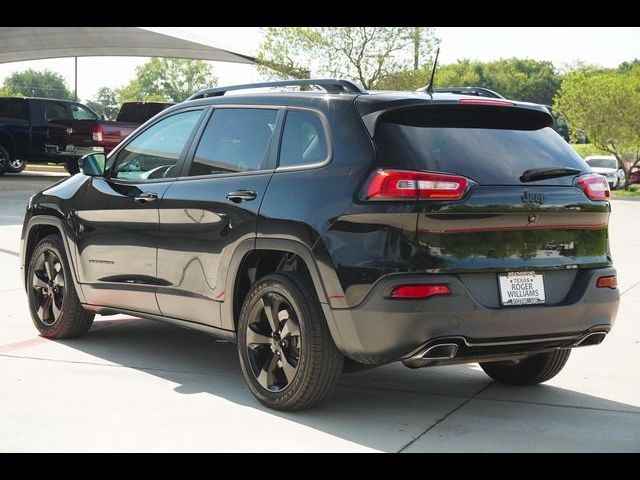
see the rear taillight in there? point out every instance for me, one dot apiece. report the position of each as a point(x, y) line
point(96, 133)
point(607, 282)
point(595, 186)
point(409, 185)
point(408, 292)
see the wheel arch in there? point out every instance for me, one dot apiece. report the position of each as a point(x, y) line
point(37, 228)
point(7, 141)
point(247, 252)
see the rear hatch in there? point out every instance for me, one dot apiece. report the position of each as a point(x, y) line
point(507, 216)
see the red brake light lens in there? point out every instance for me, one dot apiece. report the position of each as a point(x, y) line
point(482, 101)
point(408, 292)
point(595, 186)
point(96, 133)
point(406, 184)
point(607, 282)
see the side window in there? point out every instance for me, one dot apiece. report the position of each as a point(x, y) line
point(13, 108)
point(56, 111)
point(304, 140)
point(155, 152)
point(235, 140)
point(81, 113)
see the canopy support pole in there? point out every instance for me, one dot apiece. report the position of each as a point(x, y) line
point(75, 83)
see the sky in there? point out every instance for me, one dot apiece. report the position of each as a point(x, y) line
point(605, 46)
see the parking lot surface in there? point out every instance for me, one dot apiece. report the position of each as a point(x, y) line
point(139, 385)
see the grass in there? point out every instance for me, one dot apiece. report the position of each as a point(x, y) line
point(634, 191)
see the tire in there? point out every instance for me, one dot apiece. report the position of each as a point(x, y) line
point(297, 367)
point(4, 160)
point(530, 370)
point(63, 315)
point(72, 166)
point(16, 165)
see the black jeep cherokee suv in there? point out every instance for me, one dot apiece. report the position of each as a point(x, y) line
point(321, 230)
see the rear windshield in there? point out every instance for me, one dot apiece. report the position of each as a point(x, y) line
point(139, 112)
point(491, 145)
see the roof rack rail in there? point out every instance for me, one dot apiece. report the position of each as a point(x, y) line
point(475, 91)
point(331, 85)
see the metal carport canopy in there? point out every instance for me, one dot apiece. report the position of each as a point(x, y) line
point(33, 43)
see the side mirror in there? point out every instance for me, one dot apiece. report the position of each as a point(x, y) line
point(103, 117)
point(93, 164)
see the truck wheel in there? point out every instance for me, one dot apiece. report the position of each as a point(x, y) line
point(530, 370)
point(4, 160)
point(16, 165)
point(287, 355)
point(54, 305)
point(72, 166)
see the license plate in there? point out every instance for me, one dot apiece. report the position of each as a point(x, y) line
point(521, 288)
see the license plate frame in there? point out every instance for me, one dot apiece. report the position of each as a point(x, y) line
point(519, 289)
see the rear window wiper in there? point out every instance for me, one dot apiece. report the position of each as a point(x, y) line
point(551, 172)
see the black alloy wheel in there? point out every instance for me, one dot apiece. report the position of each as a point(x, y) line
point(287, 354)
point(48, 284)
point(273, 342)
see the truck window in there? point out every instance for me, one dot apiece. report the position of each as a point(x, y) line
point(13, 108)
point(81, 113)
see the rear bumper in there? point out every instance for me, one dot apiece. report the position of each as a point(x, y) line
point(381, 330)
point(70, 151)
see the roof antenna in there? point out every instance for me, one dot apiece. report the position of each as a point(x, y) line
point(429, 88)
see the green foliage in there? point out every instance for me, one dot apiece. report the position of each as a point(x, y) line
point(525, 80)
point(606, 107)
point(105, 102)
point(168, 79)
point(363, 54)
point(587, 149)
point(32, 83)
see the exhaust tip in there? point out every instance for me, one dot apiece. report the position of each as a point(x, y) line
point(442, 351)
point(594, 338)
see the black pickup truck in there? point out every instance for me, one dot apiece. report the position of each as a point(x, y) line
point(27, 126)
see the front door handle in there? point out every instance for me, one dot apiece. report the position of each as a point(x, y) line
point(242, 196)
point(146, 197)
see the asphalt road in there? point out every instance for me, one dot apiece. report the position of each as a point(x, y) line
point(138, 385)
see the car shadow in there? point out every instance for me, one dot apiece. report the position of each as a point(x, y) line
point(383, 408)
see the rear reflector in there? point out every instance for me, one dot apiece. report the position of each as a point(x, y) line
point(408, 185)
point(419, 291)
point(607, 282)
point(595, 186)
point(492, 103)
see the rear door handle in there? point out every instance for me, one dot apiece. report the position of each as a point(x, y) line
point(242, 196)
point(146, 197)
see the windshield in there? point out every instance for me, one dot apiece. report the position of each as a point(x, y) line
point(602, 162)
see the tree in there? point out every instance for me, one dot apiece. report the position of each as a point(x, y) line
point(606, 107)
point(105, 102)
point(525, 80)
point(168, 79)
point(32, 83)
point(363, 54)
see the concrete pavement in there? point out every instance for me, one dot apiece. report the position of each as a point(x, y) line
point(138, 385)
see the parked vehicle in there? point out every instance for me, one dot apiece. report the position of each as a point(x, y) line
point(608, 167)
point(634, 175)
point(28, 128)
point(101, 135)
point(323, 231)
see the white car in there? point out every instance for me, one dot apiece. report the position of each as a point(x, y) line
point(609, 167)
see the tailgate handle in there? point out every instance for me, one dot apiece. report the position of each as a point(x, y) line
point(146, 197)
